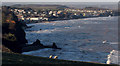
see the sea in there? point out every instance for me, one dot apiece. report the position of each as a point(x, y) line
point(80, 39)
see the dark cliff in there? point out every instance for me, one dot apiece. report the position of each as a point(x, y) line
point(13, 35)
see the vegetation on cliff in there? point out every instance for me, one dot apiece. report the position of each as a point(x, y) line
point(12, 31)
point(13, 35)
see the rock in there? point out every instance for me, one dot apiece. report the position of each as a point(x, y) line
point(31, 48)
point(35, 46)
point(54, 46)
point(5, 49)
point(37, 42)
point(66, 44)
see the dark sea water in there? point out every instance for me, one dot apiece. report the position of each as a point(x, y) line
point(80, 39)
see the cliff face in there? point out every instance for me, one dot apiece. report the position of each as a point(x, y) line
point(13, 36)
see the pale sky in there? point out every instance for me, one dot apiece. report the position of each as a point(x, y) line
point(60, 0)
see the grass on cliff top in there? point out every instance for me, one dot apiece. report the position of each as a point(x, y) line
point(12, 58)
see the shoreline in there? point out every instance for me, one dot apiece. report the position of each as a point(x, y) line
point(93, 18)
point(51, 21)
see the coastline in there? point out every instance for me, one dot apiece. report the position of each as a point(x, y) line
point(51, 21)
point(21, 43)
point(92, 46)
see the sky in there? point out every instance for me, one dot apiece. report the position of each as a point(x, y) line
point(73, 3)
point(60, 0)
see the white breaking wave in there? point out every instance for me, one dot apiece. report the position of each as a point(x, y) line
point(113, 42)
point(44, 31)
point(66, 27)
point(113, 57)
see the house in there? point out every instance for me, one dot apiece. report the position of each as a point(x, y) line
point(43, 14)
point(35, 12)
point(29, 12)
point(46, 19)
point(54, 14)
point(84, 14)
point(59, 12)
point(34, 18)
point(23, 18)
point(50, 12)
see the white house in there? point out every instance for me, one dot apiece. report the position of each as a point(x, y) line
point(50, 12)
point(34, 18)
point(45, 18)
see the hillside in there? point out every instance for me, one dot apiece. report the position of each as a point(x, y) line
point(94, 8)
point(12, 58)
point(37, 6)
point(13, 35)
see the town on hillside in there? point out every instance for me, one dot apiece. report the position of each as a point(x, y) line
point(29, 15)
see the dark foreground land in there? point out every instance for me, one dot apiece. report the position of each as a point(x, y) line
point(13, 38)
point(12, 58)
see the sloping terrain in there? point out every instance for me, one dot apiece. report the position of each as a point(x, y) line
point(13, 58)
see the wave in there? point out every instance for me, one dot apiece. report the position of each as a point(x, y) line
point(44, 31)
point(113, 57)
point(113, 42)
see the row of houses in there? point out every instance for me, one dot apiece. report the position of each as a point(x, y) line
point(35, 15)
point(67, 13)
point(35, 18)
point(90, 12)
